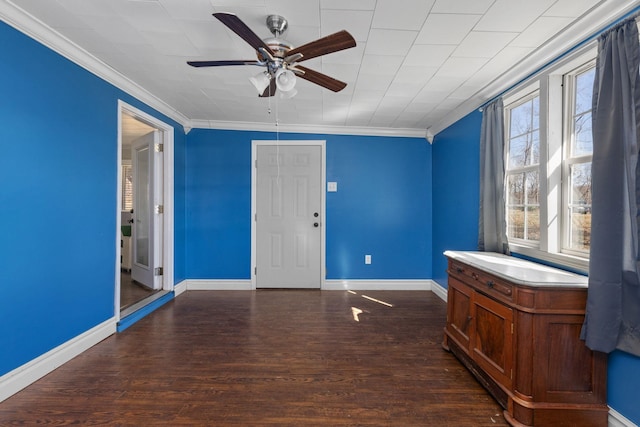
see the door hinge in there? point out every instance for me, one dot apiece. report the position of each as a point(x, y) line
point(159, 148)
point(158, 271)
point(256, 164)
point(512, 329)
point(159, 209)
point(255, 217)
point(511, 373)
point(255, 271)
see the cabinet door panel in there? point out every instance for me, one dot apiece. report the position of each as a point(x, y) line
point(458, 312)
point(492, 339)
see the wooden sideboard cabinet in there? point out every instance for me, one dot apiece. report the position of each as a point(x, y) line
point(516, 326)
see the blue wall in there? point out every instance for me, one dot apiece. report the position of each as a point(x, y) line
point(456, 171)
point(58, 169)
point(382, 207)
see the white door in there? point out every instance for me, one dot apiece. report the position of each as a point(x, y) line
point(288, 216)
point(147, 208)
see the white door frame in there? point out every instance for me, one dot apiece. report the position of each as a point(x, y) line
point(323, 196)
point(166, 138)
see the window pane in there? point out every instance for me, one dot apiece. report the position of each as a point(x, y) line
point(583, 138)
point(518, 151)
point(533, 186)
point(533, 223)
point(516, 222)
point(584, 90)
point(516, 189)
point(580, 237)
point(581, 184)
point(534, 149)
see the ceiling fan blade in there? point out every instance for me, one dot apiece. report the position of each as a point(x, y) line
point(329, 44)
point(319, 78)
point(270, 90)
point(236, 25)
point(222, 63)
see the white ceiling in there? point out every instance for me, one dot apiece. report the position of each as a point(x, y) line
point(418, 64)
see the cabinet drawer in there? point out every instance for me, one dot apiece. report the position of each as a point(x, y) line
point(481, 281)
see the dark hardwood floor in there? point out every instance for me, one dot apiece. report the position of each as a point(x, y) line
point(131, 291)
point(272, 357)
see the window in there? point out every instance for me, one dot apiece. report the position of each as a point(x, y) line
point(522, 171)
point(577, 164)
point(548, 151)
point(127, 187)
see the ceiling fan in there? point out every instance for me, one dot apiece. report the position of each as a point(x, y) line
point(280, 58)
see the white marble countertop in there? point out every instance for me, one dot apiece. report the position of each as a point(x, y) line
point(517, 270)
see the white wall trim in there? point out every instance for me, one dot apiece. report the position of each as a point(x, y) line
point(218, 285)
point(45, 35)
point(14, 381)
point(180, 288)
point(318, 129)
point(616, 419)
point(440, 291)
point(377, 285)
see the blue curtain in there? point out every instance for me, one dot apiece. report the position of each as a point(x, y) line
point(492, 225)
point(613, 303)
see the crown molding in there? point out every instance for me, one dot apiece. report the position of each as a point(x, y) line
point(24, 22)
point(300, 128)
point(581, 32)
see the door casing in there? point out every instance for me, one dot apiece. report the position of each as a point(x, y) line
point(254, 157)
point(167, 139)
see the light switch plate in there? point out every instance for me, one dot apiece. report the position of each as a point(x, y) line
point(332, 186)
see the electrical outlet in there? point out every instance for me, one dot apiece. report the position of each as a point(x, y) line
point(367, 259)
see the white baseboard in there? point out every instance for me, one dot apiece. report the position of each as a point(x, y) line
point(218, 285)
point(439, 290)
point(179, 288)
point(616, 419)
point(378, 285)
point(14, 381)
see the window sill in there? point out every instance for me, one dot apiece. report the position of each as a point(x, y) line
point(563, 261)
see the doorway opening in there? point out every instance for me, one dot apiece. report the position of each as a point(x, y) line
point(145, 210)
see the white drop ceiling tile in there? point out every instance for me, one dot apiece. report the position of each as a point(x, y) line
point(540, 31)
point(462, 6)
point(348, 4)
point(380, 82)
point(295, 11)
point(366, 97)
point(301, 34)
point(464, 92)
point(382, 120)
point(205, 34)
point(401, 14)
point(237, 3)
point(570, 8)
point(407, 90)
point(167, 43)
point(343, 72)
point(147, 16)
point(416, 107)
point(356, 22)
point(389, 42)
point(460, 68)
point(86, 38)
point(50, 11)
point(512, 15)
point(380, 64)
point(446, 28)
point(499, 64)
point(479, 44)
point(188, 9)
point(89, 7)
point(117, 31)
point(414, 74)
point(428, 55)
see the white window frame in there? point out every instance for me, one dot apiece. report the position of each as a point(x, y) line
point(553, 183)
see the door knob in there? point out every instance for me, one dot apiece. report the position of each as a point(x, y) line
point(315, 224)
point(315, 214)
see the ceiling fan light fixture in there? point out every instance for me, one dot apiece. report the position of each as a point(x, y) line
point(288, 94)
point(260, 81)
point(285, 80)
